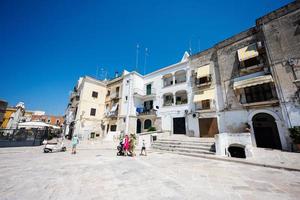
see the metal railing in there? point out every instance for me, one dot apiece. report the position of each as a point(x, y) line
point(25, 137)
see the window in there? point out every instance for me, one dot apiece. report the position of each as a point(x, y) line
point(181, 97)
point(117, 91)
point(108, 93)
point(113, 128)
point(148, 89)
point(57, 121)
point(205, 104)
point(250, 62)
point(148, 105)
point(126, 98)
point(95, 94)
point(259, 93)
point(93, 112)
point(168, 80)
point(180, 76)
point(203, 80)
point(147, 124)
point(168, 99)
point(49, 120)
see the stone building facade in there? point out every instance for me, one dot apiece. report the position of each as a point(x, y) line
point(246, 83)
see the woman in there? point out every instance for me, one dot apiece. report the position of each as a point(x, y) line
point(126, 145)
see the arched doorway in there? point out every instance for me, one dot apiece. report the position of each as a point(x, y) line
point(138, 126)
point(266, 131)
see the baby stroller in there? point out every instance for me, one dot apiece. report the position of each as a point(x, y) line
point(120, 150)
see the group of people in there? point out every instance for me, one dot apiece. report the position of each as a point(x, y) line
point(128, 145)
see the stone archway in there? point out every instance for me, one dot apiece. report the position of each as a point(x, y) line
point(266, 131)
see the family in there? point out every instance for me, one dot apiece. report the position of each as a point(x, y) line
point(127, 146)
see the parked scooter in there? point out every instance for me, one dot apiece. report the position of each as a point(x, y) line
point(54, 146)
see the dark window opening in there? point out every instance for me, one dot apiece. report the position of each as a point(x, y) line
point(147, 124)
point(108, 93)
point(117, 91)
point(93, 112)
point(95, 94)
point(148, 105)
point(250, 62)
point(237, 152)
point(203, 80)
point(148, 89)
point(259, 93)
point(113, 128)
point(205, 104)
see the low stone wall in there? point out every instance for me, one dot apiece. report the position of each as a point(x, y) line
point(225, 140)
point(149, 137)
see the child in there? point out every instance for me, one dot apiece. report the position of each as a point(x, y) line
point(143, 149)
point(126, 145)
point(75, 141)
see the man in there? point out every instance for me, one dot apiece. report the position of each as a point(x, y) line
point(143, 149)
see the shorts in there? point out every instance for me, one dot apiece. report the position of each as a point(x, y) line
point(73, 145)
point(143, 148)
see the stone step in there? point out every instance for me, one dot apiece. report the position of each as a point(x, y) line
point(203, 147)
point(198, 140)
point(183, 150)
point(184, 143)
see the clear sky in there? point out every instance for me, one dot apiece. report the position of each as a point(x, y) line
point(45, 46)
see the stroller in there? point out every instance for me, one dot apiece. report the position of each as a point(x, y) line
point(120, 150)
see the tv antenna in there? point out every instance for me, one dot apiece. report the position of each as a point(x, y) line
point(145, 61)
point(137, 57)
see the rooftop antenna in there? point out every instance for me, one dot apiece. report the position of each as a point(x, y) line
point(190, 47)
point(137, 57)
point(198, 44)
point(145, 61)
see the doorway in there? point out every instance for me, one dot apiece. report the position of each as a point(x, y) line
point(266, 131)
point(179, 125)
point(138, 126)
point(208, 127)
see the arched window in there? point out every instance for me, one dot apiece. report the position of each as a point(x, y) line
point(180, 76)
point(181, 97)
point(168, 80)
point(147, 124)
point(168, 99)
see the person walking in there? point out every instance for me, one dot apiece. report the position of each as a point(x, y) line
point(126, 145)
point(143, 150)
point(75, 141)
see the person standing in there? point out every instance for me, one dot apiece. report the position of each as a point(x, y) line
point(126, 145)
point(75, 141)
point(143, 150)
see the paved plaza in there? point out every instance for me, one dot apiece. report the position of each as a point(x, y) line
point(97, 173)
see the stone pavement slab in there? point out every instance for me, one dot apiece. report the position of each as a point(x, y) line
point(97, 173)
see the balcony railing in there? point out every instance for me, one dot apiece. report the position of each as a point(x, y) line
point(147, 112)
point(143, 93)
point(111, 114)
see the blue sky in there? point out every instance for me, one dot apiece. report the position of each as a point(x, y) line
point(45, 46)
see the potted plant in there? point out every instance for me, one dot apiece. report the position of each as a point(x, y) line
point(295, 135)
point(151, 129)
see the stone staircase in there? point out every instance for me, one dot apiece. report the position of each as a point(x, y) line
point(185, 145)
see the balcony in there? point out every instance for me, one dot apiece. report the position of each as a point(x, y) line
point(203, 81)
point(144, 93)
point(74, 96)
point(112, 114)
point(143, 112)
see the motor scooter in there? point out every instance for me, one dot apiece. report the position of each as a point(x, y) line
point(54, 146)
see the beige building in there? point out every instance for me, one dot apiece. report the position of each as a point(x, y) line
point(113, 121)
point(86, 109)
